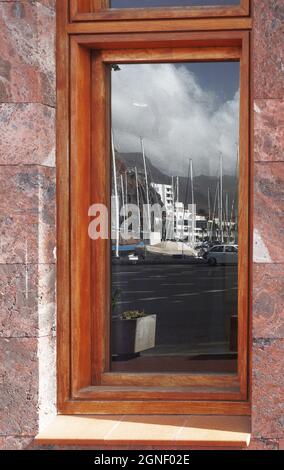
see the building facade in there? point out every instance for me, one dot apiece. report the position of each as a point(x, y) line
point(28, 231)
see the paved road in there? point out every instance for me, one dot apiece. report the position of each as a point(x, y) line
point(193, 303)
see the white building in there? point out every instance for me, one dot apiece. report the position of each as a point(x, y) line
point(166, 193)
point(181, 221)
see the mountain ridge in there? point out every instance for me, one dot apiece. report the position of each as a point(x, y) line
point(201, 183)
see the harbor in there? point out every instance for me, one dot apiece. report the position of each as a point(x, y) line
point(168, 219)
point(174, 220)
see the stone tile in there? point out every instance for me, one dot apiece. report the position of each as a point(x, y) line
point(268, 300)
point(263, 444)
point(27, 300)
point(158, 428)
point(85, 426)
point(269, 130)
point(281, 444)
point(27, 214)
point(27, 134)
point(268, 48)
point(27, 70)
point(215, 429)
point(15, 442)
point(108, 448)
point(48, 3)
point(47, 380)
point(268, 388)
point(19, 386)
point(46, 26)
point(27, 385)
point(269, 212)
point(170, 447)
point(18, 23)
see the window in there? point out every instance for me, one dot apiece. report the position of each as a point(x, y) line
point(169, 3)
point(175, 128)
point(82, 10)
point(145, 312)
point(231, 249)
point(217, 249)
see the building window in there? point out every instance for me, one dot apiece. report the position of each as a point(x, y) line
point(82, 10)
point(155, 204)
point(170, 3)
point(175, 130)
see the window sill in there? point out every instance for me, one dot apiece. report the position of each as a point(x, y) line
point(145, 430)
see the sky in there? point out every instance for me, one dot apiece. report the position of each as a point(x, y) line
point(186, 110)
point(157, 3)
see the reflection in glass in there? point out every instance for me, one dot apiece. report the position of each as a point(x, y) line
point(170, 3)
point(174, 217)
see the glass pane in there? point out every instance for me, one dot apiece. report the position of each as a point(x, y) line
point(175, 217)
point(170, 3)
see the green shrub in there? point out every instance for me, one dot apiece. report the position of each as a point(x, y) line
point(132, 315)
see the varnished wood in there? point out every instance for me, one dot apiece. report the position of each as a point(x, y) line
point(63, 222)
point(80, 199)
point(169, 380)
point(243, 219)
point(79, 7)
point(171, 55)
point(173, 393)
point(208, 24)
point(114, 379)
point(161, 407)
point(161, 40)
point(97, 10)
point(100, 260)
point(98, 5)
point(83, 362)
point(251, 222)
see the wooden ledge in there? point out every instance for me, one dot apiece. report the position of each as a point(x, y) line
point(154, 430)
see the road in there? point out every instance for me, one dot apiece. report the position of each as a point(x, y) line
point(193, 303)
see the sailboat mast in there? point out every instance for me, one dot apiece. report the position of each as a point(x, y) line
point(192, 205)
point(177, 189)
point(122, 195)
point(116, 199)
point(221, 198)
point(209, 205)
point(218, 196)
point(147, 187)
point(231, 217)
point(126, 190)
point(137, 200)
point(216, 199)
point(209, 212)
point(227, 217)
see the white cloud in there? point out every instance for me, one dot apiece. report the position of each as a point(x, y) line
point(181, 121)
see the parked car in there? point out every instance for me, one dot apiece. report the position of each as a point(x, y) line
point(222, 254)
point(133, 257)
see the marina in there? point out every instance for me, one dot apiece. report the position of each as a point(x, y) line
point(174, 233)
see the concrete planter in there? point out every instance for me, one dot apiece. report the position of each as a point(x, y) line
point(133, 336)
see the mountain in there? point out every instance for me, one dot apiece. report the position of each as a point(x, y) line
point(132, 160)
point(201, 183)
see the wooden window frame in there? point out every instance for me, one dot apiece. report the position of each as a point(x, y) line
point(97, 10)
point(84, 387)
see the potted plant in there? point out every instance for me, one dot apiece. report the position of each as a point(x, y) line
point(133, 332)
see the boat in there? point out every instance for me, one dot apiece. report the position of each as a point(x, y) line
point(172, 248)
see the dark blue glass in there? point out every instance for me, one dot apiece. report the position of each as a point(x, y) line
point(170, 3)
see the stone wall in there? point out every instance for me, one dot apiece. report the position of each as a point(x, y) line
point(268, 275)
point(27, 222)
point(27, 219)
